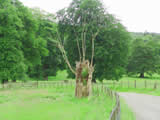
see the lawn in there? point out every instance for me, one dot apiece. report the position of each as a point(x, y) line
point(53, 104)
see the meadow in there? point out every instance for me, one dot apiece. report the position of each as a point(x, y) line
point(56, 103)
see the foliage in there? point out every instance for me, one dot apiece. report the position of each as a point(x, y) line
point(111, 52)
point(84, 72)
point(46, 32)
point(11, 57)
point(145, 56)
point(25, 47)
point(111, 44)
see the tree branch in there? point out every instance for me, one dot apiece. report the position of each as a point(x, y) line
point(93, 38)
point(61, 47)
point(82, 37)
point(79, 50)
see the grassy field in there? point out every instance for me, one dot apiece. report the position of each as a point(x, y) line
point(59, 102)
point(53, 104)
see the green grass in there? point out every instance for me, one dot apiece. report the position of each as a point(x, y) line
point(61, 75)
point(126, 112)
point(148, 91)
point(52, 104)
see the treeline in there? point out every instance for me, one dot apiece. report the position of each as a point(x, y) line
point(27, 49)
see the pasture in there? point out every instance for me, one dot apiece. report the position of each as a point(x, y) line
point(50, 101)
point(53, 103)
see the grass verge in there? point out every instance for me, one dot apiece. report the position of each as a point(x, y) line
point(126, 112)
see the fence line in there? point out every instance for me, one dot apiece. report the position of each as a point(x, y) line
point(135, 84)
point(115, 114)
point(36, 84)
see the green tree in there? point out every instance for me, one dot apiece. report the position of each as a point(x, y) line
point(86, 24)
point(111, 44)
point(11, 57)
point(145, 57)
point(34, 46)
point(22, 45)
point(51, 63)
point(111, 51)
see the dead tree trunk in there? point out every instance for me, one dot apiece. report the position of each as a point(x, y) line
point(83, 79)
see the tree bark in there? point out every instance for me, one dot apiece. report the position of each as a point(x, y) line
point(83, 84)
point(141, 75)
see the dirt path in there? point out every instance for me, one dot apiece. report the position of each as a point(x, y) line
point(145, 107)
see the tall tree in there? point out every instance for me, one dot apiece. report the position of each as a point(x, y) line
point(11, 57)
point(86, 27)
point(34, 46)
point(111, 51)
point(145, 57)
point(111, 44)
point(51, 63)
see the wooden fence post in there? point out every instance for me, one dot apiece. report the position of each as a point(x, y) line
point(155, 85)
point(97, 90)
point(102, 88)
point(135, 84)
point(71, 84)
point(145, 82)
point(37, 83)
point(121, 84)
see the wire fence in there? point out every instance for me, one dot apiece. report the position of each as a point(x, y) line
point(36, 84)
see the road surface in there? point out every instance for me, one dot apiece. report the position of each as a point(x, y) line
point(145, 107)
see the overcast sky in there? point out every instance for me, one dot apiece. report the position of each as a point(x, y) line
point(135, 15)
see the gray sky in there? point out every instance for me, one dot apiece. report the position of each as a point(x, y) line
point(135, 15)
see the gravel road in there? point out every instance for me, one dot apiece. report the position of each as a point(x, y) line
point(145, 107)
